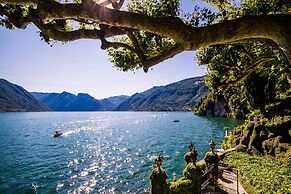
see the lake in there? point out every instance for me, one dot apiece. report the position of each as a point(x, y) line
point(99, 152)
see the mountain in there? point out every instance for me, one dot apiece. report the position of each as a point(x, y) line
point(112, 102)
point(117, 100)
point(40, 95)
point(178, 96)
point(14, 98)
point(68, 102)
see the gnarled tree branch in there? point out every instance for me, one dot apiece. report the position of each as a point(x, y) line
point(106, 44)
point(134, 41)
point(118, 5)
point(176, 49)
point(274, 27)
point(20, 2)
point(51, 31)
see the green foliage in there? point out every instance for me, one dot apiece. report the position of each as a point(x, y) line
point(190, 156)
point(190, 183)
point(182, 185)
point(211, 158)
point(123, 59)
point(16, 99)
point(150, 44)
point(253, 114)
point(264, 136)
point(258, 7)
point(284, 95)
point(278, 120)
point(232, 60)
point(285, 158)
point(5, 23)
point(178, 96)
point(160, 175)
point(204, 104)
point(192, 172)
point(238, 129)
point(13, 11)
point(201, 16)
point(261, 174)
point(254, 91)
point(248, 74)
point(228, 142)
point(158, 178)
point(272, 146)
point(155, 7)
point(231, 74)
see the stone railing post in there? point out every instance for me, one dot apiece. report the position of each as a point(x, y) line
point(158, 178)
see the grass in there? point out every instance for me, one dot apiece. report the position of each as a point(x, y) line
point(261, 174)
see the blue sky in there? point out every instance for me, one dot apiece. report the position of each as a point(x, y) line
point(80, 67)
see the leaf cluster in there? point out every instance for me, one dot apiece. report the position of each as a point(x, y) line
point(261, 174)
point(232, 69)
point(155, 8)
point(149, 44)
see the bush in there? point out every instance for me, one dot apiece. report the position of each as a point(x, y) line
point(190, 183)
point(228, 142)
point(261, 174)
point(285, 158)
point(183, 185)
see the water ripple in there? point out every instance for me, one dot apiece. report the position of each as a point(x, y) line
point(104, 152)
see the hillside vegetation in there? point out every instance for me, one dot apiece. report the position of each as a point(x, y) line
point(14, 98)
point(261, 174)
point(178, 96)
point(66, 101)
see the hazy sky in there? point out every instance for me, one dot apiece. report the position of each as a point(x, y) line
point(80, 67)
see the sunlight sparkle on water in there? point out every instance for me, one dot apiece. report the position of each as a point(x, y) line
point(99, 152)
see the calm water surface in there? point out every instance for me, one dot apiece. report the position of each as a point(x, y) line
point(100, 152)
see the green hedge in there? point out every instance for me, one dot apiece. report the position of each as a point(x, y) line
point(261, 174)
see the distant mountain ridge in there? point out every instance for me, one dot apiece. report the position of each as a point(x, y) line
point(14, 98)
point(179, 96)
point(66, 101)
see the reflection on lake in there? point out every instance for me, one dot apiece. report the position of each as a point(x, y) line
point(99, 152)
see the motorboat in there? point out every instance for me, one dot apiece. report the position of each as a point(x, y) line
point(58, 134)
point(176, 120)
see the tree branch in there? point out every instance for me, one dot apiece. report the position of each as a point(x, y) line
point(135, 43)
point(16, 18)
point(274, 27)
point(253, 67)
point(20, 2)
point(163, 56)
point(278, 53)
point(89, 10)
point(261, 26)
point(114, 3)
point(51, 31)
point(106, 44)
point(118, 5)
point(106, 2)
